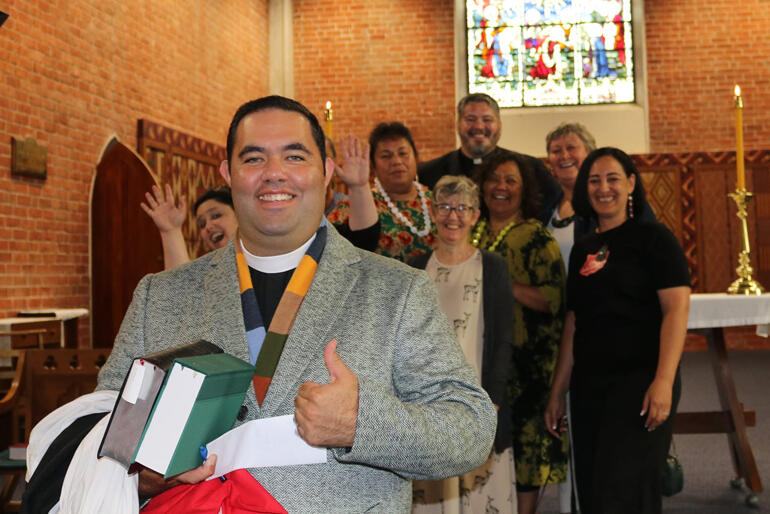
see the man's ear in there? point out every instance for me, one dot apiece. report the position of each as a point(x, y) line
point(329, 171)
point(224, 170)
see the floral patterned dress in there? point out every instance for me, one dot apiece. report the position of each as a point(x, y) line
point(534, 259)
point(396, 239)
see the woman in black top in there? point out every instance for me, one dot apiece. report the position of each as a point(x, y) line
point(628, 295)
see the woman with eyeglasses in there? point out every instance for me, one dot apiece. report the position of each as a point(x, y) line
point(475, 294)
point(510, 203)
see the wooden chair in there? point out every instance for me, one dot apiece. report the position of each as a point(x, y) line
point(12, 470)
point(11, 381)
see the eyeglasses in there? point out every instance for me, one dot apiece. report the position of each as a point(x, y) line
point(462, 210)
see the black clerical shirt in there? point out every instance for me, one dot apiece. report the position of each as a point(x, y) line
point(269, 288)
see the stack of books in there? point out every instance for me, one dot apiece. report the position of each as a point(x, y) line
point(172, 403)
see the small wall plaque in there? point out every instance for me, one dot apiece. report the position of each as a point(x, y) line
point(28, 159)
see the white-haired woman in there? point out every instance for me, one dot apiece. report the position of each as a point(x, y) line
point(475, 291)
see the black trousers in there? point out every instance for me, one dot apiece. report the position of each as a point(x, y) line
point(618, 463)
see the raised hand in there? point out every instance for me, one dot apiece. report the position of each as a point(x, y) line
point(326, 415)
point(163, 209)
point(355, 168)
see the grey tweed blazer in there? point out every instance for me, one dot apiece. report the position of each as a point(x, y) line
point(422, 413)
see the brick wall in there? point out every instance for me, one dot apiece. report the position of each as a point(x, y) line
point(73, 72)
point(394, 60)
point(379, 60)
point(696, 52)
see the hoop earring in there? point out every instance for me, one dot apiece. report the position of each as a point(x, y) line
point(630, 206)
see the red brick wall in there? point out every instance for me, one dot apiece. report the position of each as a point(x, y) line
point(696, 52)
point(386, 60)
point(379, 60)
point(73, 72)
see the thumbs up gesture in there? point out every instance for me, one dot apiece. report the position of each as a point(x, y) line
point(326, 415)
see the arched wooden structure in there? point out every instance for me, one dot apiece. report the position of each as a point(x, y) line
point(125, 244)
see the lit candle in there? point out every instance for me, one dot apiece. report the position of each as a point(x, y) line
point(328, 116)
point(739, 138)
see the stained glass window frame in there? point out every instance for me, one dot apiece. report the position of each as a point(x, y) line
point(551, 53)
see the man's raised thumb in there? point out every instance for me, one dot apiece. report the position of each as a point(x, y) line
point(333, 361)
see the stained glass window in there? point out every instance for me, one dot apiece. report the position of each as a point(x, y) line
point(550, 52)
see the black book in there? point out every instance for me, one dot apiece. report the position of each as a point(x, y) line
point(137, 396)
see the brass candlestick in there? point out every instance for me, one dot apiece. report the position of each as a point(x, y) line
point(745, 284)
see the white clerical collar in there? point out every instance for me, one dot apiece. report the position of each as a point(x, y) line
point(276, 263)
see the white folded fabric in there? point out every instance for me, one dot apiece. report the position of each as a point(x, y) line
point(91, 484)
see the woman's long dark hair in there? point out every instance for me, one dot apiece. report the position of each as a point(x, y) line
point(530, 188)
point(580, 201)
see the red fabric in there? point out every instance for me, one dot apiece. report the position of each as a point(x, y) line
point(239, 494)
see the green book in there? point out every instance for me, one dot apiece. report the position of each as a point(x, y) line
point(199, 401)
point(137, 396)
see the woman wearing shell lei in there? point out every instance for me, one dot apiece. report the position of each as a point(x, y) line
point(403, 204)
point(509, 205)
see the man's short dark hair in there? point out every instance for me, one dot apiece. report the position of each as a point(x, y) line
point(477, 98)
point(388, 132)
point(275, 102)
point(222, 195)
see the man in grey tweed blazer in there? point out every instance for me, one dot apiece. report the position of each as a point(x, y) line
point(394, 399)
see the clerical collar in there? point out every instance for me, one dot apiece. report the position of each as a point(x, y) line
point(467, 164)
point(276, 263)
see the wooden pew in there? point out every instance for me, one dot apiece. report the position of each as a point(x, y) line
point(51, 378)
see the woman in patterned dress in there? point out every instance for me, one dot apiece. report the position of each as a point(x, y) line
point(403, 203)
point(475, 293)
point(509, 206)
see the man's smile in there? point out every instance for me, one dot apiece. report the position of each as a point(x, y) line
point(275, 197)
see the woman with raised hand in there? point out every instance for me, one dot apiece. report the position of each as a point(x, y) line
point(214, 216)
point(402, 203)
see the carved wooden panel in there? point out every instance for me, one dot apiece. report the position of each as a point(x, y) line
point(670, 189)
point(663, 187)
point(710, 232)
point(189, 164)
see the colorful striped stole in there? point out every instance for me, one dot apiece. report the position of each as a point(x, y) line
point(265, 348)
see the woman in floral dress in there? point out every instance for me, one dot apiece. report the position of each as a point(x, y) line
point(403, 203)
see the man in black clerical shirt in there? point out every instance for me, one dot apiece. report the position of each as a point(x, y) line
point(479, 127)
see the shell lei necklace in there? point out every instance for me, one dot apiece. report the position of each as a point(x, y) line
point(400, 216)
point(476, 239)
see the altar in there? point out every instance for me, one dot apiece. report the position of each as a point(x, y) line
point(709, 315)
